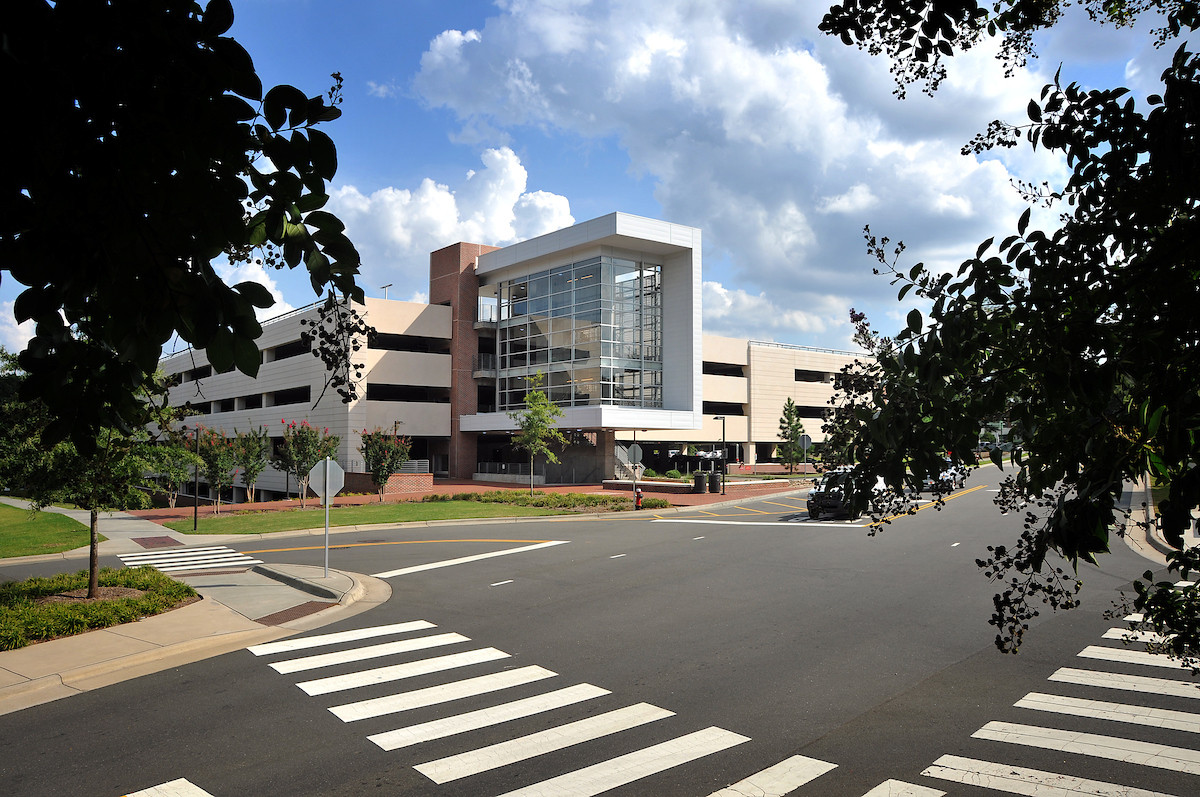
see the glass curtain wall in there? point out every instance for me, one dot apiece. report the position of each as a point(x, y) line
point(592, 328)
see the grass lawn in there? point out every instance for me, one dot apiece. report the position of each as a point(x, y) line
point(264, 522)
point(23, 534)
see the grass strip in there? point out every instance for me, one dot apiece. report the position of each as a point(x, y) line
point(23, 620)
point(25, 533)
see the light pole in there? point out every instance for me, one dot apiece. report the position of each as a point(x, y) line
point(384, 289)
point(721, 418)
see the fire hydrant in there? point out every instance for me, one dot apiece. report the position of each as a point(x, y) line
point(637, 498)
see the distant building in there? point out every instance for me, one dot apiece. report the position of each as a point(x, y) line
point(608, 311)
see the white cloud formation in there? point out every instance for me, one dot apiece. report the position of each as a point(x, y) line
point(779, 142)
point(395, 229)
point(13, 336)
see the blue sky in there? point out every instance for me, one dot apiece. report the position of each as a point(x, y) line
point(492, 122)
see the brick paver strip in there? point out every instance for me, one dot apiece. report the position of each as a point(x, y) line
point(294, 613)
point(157, 542)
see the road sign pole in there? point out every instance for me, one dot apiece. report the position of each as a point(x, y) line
point(326, 517)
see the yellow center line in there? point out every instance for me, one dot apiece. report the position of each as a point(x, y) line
point(364, 544)
point(755, 511)
point(706, 512)
point(881, 521)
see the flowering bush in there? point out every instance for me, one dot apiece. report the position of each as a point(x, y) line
point(217, 453)
point(302, 447)
point(383, 454)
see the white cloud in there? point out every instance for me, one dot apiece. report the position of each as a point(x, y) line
point(382, 90)
point(780, 142)
point(395, 229)
point(13, 336)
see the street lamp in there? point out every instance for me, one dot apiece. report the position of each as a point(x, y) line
point(724, 469)
point(384, 289)
point(195, 480)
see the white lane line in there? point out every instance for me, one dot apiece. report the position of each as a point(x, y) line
point(1125, 635)
point(523, 748)
point(1131, 657)
point(483, 718)
point(397, 672)
point(443, 693)
point(404, 571)
point(778, 780)
point(898, 788)
point(1131, 683)
point(320, 640)
point(501, 583)
point(1030, 782)
point(697, 538)
point(369, 652)
point(599, 778)
point(1136, 617)
point(1117, 712)
point(1130, 751)
point(176, 788)
point(808, 524)
point(955, 545)
point(617, 556)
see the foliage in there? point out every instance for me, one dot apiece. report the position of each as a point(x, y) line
point(673, 474)
point(790, 431)
point(383, 454)
point(172, 468)
point(251, 450)
point(156, 123)
point(23, 620)
point(535, 424)
point(219, 455)
point(650, 473)
point(540, 499)
point(917, 35)
point(302, 447)
point(1084, 338)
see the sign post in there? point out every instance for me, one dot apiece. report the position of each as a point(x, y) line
point(805, 444)
point(326, 480)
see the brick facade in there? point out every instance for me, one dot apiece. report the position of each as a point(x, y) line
point(452, 282)
point(398, 483)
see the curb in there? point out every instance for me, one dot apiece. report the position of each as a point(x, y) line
point(301, 584)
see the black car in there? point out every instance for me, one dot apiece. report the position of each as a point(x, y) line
point(829, 496)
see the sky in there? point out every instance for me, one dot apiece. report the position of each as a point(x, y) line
point(493, 122)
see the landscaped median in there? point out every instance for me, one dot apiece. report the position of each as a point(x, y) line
point(460, 506)
point(25, 533)
point(40, 609)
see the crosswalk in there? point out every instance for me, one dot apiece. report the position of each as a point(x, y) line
point(472, 697)
point(1118, 699)
point(186, 560)
point(474, 708)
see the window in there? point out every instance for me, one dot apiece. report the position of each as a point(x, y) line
point(381, 392)
point(813, 376)
point(416, 343)
point(295, 395)
point(723, 369)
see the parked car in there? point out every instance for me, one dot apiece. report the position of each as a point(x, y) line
point(829, 496)
point(949, 479)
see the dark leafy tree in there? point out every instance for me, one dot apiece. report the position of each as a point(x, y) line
point(536, 433)
point(790, 431)
point(218, 453)
point(251, 451)
point(145, 132)
point(1085, 338)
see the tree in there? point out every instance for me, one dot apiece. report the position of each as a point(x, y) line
point(790, 432)
point(152, 120)
point(219, 457)
point(1085, 338)
point(535, 424)
point(302, 447)
point(171, 466)
point(383, 454)
point(250, 452)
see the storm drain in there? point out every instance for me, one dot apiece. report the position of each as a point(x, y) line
point(294, 613)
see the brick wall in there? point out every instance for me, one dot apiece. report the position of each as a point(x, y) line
point(398, 483)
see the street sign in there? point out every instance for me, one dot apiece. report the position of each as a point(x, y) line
point(635, 454)
point(805, 442)
point(316, 479)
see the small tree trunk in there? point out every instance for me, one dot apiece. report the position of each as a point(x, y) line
point(531, 475)
point(94, 556)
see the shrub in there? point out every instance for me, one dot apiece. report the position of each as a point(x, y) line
point(650, 473)
point(674, 474)
point(655, 503)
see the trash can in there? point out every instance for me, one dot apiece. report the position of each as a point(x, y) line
point(714, 482)
point(698, 487)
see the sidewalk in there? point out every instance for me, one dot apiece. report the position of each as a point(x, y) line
point(239, 609)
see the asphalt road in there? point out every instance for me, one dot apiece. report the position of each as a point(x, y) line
point(747, 628)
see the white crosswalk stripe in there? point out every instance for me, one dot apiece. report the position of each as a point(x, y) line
point(472, 762)
point(537, 721)
point(897, 788)
point(1117, 712)
point(1030, 782)
point(188, 559)
point(1130, 657)
point(1131, 683)
point(483, 718)
point(1178, 759)
point(602, 777)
